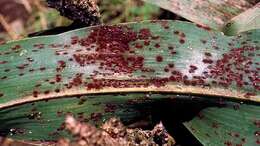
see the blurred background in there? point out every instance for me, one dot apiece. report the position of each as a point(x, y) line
point(18, 18)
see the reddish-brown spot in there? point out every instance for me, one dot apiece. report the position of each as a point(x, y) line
point(4, 77)
point(22, 66)
point(21, 74)
point(144, 34)
point(110, 108)
point(208, 54)
point(176, 32)
point(182, 35)
point(207, 61)
point(228, 143)
point(35, 93)
point(37, 85)
point(200, 115)
point(57, 90)
point(248, 95)
point(46, 92)
point(3, 62)
point(138, 46)
point(74, 40)
point(203, 41)
point(6, 70)
point(38, 46)
point(170, 48)
point(31, 70)
point(203, 27)
point(258, 141)
point(29, 59)
point(257, 123)
point(157, 45)
point(56, 45)
point(112, 43)
point(192, 69)
point(96, 116)
point(16, 47)
point(58, 78)
point(182, 41)
point(146, 43)
point(159, 58)
point(42, 68)
point(171, 65)
point(215, 125)
point(1, 94)
point(166, 69)
point(77, 80)
point(61, 65)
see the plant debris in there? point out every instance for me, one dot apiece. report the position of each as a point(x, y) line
point(80, 11)
point(112, 133)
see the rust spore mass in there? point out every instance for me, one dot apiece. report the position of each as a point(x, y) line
point(57, 90)
point(42, 69)
point(192, 69)
point(3, 62)
point(39, 46)
point(204, 27)
point(159, 58)
point(58, 78)
point(236, 67)
point(35, 93)
point(77, 80)
point(207, 61)
point(112, 49)
point(61, 65)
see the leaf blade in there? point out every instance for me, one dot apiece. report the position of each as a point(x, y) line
point(27, 76)
point(235, 124)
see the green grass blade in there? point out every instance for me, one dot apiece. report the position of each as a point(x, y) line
point(237, 124)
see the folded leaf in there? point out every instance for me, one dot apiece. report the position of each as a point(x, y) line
point(212, 13)
point(247, 20)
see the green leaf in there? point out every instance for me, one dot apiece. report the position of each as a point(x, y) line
point(236, 124)
point(212, 13)
point(43, 120)
point(152, 57)
point(163, 56)
point(248, 20)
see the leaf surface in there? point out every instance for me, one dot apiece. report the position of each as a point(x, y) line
point(85, 71)
point(163, 56)
point(43, 120)
point(236, 124)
